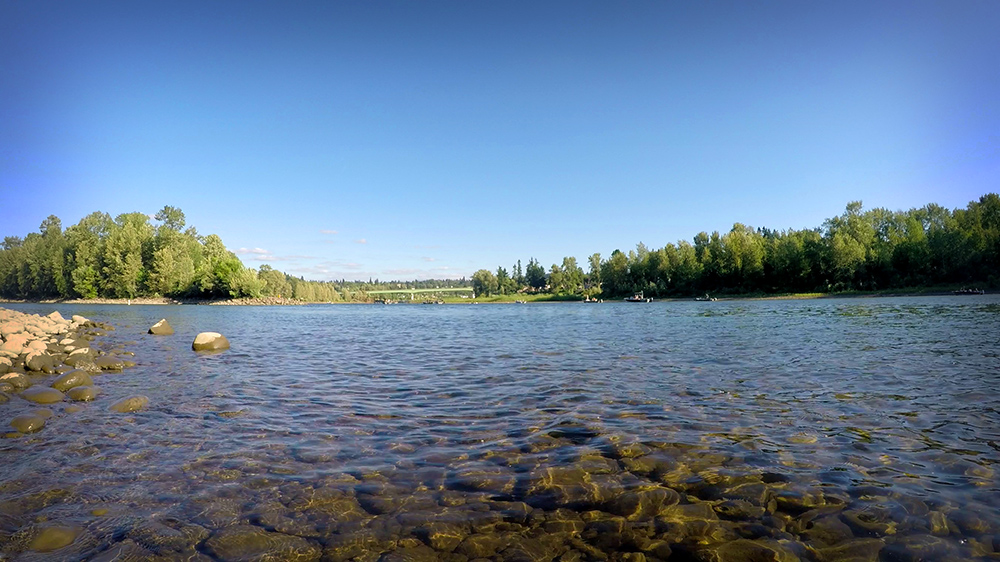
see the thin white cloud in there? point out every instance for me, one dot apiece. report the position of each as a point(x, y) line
point(270, 257)
point(361, 241)
point(257, 251)
point(328, 232)
point(425, 258)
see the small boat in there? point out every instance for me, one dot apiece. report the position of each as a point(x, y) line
point(520, 302)
point(967, 291)
point(588, 299)
point(706, 298)
point(638, 297)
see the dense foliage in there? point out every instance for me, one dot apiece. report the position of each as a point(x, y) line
point(130, 256)
point(871, 250)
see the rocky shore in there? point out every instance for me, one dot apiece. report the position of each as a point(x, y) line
point(49, 360)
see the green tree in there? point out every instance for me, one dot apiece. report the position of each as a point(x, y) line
point(123, 264)
point(534, 274)
point(505, 284)
point(484, 283)
point(572, 275)
point(614, 274)
point(171, 217)
point(594, 275)
point(557, 281)
point(275, 284)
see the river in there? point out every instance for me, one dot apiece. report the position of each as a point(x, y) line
point(827, 429)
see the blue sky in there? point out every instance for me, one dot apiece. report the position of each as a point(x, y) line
point(404, 140)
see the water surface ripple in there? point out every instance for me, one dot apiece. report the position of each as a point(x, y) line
point(818, 429)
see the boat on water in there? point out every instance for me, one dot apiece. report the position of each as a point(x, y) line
point(970, 291)
point(638, 297)
point(706, 298)
point(588, 299)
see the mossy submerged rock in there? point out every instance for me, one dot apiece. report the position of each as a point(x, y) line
point(210, 341)
point(240, 543)
point(53, 538)
point(161, 328)
point(110, 363)
point(72, 379)
point(131, 404)
point(40, 395)
point(643, 503)
point(83, 393)
point(28, 423)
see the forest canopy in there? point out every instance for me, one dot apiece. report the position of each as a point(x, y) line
point(134, 255)
point(858, 250)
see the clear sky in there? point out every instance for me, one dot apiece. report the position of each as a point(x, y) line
point(404, 140)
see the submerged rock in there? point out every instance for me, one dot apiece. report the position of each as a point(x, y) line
point(210, 341)
point(161, 328)
point(41, 395)
point(53, 538)
point(110, 363)
point(130, 404)
point(28, 423)
point(857, 550)
point(83, 393)
point(240, 543)
point(643, 504)
point(71, 379)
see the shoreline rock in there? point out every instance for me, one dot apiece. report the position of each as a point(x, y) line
point(34, 347)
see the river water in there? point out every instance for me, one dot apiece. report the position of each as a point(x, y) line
point(831, 429)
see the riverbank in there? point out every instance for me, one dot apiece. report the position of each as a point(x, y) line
point(506, 299)
point(264, 301)
point(51, 361)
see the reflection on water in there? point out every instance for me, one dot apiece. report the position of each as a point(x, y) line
point(822, 430)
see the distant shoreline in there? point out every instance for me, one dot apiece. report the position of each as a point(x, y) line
point(159, 301)
point(505, 299)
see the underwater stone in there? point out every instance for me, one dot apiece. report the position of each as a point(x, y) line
point(83, 393)
point(130, 404)
point(28, 423)
point(246, 543)
point(53, 538)
point(71, 379)
point(40, 395)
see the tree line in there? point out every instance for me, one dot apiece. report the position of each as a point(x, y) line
point(134, 255)
point(858, 250)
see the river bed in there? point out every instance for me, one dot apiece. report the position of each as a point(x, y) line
point(829, 429)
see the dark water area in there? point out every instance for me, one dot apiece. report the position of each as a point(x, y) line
point(841, 429)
